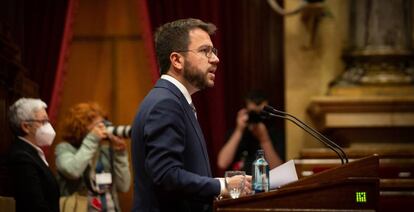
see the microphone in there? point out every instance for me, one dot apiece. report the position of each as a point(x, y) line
point(269, 111)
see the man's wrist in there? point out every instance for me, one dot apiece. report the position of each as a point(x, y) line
point(222, 186)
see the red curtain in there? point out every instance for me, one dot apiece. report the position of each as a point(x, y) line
point(63, 56)
point(43, 29)
point(250, 43)
point(147, 36)
point(210, 102)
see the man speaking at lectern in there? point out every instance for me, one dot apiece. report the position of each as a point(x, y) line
point(171, 165)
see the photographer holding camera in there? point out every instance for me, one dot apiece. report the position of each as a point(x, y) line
point(92, 161)
point(250, 134)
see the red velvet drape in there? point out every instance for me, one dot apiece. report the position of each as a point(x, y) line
point(43, 28)
point(209, 103)
point(63, 56)
point(147, 36)
point(250, 44)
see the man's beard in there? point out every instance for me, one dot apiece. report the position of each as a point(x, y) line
point(195, 77)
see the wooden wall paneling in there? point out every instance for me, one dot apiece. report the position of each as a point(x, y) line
point(107, 64)
point(133, 80)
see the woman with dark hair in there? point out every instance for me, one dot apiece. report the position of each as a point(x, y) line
point(91, 161)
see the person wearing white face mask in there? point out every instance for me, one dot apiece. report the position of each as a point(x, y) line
point(35, 186)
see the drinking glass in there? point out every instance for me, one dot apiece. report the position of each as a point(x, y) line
point(234, 181)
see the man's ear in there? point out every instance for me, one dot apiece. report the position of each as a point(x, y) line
point(177, 61)
point(25, 126)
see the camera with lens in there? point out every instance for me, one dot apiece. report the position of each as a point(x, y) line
point(254, 117)
point(123, 131)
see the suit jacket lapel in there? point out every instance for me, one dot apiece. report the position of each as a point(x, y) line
point(32, 153)
point(190, 115)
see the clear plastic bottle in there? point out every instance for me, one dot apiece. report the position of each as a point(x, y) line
point(260, 173)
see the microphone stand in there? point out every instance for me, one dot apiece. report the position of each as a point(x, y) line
point(269, 111)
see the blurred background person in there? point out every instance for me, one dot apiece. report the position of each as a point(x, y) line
point(35, 186)
point(251, 133)
point(90, 160)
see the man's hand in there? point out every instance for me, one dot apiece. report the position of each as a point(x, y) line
point(235, 181)
point(247, 186)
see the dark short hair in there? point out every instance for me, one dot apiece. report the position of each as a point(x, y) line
point(256, 96)
point(174, 36)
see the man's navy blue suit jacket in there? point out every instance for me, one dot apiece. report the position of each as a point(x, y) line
point(169, 156)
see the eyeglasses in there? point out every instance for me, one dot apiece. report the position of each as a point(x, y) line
point(207, 50)
point(42, 121)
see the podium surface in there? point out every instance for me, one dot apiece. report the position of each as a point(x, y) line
point(349, 187)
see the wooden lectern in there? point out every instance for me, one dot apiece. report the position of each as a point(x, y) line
point(350, 187)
